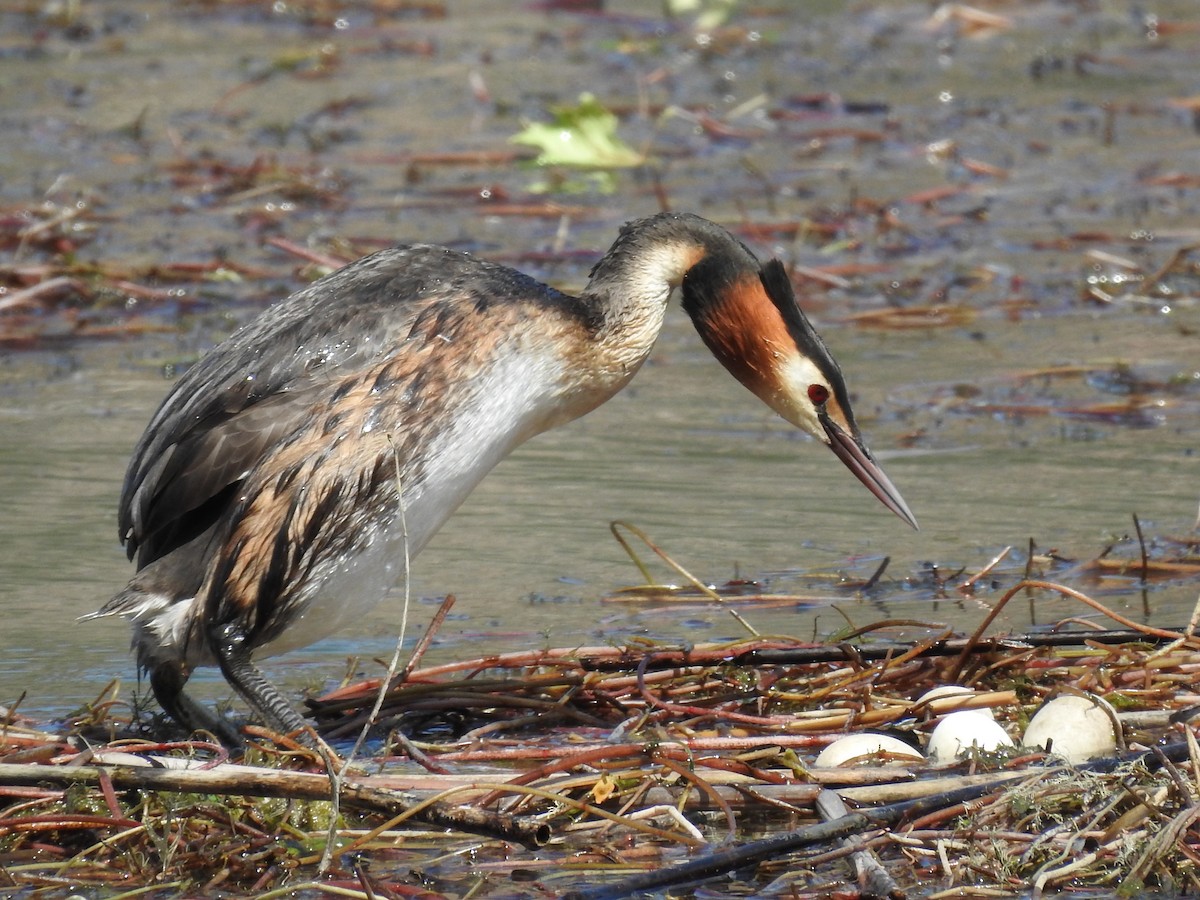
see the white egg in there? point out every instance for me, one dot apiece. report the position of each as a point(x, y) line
point(858, 748)
point(1075, 728)
point(959, 732)
point(951, 690)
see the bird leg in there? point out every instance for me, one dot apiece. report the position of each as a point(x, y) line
point(233, 656)
point(167, 681)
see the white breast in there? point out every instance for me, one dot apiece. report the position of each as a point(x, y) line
point(515, 399)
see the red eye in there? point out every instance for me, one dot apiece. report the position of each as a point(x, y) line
point(818, 394)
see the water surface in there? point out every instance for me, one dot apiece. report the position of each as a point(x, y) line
point(984, 458)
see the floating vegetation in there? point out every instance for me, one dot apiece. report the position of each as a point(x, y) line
point(654, 765)
point(894, 759)
point(583, 135)
point(1109, 392)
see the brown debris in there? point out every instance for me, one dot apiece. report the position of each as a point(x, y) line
point(640, 740)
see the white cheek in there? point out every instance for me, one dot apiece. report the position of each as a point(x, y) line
point(791, 399)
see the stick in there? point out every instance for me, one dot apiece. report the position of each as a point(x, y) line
point(254, 782)
point(1137, 526)
point(668, 659)
point(616, 526)
point(874, 882)
point(755, 852)
point(423, 643)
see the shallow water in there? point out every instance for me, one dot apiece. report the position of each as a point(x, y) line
point(685, 454)
point(984, 459)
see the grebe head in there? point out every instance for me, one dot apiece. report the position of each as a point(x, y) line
point(748, 316)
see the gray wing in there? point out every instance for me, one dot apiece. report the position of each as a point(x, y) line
point(258, 386)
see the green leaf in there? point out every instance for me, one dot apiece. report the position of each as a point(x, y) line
point(709, 13)
point(583, 136)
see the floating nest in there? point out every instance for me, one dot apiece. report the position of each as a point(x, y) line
point(601, 772)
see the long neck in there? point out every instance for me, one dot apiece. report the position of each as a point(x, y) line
point(626, 298)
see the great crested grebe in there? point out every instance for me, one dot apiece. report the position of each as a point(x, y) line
point(262, 502)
